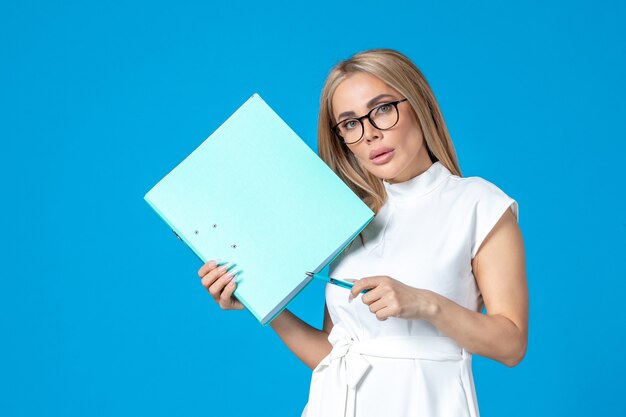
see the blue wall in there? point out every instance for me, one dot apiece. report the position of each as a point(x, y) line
point(102, 313)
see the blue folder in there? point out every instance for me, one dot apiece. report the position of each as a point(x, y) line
point(253, 193)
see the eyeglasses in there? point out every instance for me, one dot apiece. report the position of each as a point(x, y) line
point(382, 117)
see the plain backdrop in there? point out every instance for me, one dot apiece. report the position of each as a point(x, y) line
point(101, 309)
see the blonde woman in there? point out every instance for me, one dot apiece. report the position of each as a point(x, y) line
point(440, 249)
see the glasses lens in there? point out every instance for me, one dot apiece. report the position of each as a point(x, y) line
point(350, 130)
point(385, 116)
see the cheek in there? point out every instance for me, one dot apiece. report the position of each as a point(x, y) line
point(410, 125)
point(359, 154)
point(412, 138)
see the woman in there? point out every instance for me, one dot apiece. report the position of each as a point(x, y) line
point(440, 249)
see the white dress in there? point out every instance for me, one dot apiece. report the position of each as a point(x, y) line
point(425, 236)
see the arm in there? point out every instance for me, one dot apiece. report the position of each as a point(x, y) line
point(309, 344)
point(500, 272)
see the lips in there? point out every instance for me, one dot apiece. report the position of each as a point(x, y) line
point(379, 151)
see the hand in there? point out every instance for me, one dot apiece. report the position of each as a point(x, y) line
point(220, 284)
point(388, 297)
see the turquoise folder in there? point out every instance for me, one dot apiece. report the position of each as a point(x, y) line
point(253, 193)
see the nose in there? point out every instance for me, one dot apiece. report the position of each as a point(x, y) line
point(370, 132)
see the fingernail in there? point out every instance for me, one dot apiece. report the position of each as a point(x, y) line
point(231, 284)
point(351, 297)
point(223, 267)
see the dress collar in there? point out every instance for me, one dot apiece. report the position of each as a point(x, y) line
point(418, 185)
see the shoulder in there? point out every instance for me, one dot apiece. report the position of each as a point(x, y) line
point(476, 187)
point(480, 195)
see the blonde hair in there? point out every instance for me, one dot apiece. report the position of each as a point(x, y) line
point(400, 73)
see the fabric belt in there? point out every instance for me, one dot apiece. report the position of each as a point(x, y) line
point(336, 378)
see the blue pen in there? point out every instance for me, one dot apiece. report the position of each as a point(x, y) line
point(340, 283)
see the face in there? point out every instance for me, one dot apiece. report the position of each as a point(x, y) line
point(405, 154)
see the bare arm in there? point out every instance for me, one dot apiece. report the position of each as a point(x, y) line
point(500, 272)
point(309, 344)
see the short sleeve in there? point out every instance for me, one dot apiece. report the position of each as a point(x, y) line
point(490, 205)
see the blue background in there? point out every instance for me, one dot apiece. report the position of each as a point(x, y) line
point(101, 310)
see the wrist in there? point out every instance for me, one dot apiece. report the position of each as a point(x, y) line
point(432, 306)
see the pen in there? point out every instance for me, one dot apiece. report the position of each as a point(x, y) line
point(338, 282)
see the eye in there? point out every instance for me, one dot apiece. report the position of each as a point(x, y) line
point(349, 124)
point(385, 108)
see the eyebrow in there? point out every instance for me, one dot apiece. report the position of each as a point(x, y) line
point(369, 104)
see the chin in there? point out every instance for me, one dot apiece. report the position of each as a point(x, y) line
point(386, 174)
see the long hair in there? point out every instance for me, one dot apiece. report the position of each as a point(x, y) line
point(400, 73)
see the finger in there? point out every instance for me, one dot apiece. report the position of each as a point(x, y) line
point(231, 301)
point(214, 275)
point(228, 290)
point(208, 266)
point(362, 284)
point(218, 286)
point(373, 295)
point(384, 313)
point(378, 305)
point(356, 289)
point(235, 303)
point(226, 298)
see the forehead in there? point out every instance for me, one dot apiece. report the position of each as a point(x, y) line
point(353, 93)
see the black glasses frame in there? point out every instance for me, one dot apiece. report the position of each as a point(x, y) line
point(368, 116)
